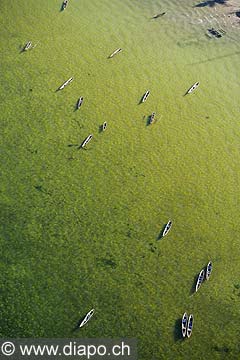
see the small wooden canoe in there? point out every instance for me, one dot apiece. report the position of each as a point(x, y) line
point(208, 270)
point(184, 324)
point(117, 51)
point(158, 15)
point(192, 88)
point(79, 103)
point(86, 141)
point(167, 228)
point(64, 4)
point(87, 318)
point(190, 326)
point(66, 83)
point(145, 96)
point(200, 279)
point(104, 126)
point(152, 118)
point(27, 46)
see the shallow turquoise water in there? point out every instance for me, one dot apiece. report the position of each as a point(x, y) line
point(79, 228)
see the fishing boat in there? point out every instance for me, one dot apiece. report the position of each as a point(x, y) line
point(184, 324)
point(86, 141)
point(27, 46)
point(115, 52)
point(65, 83)
point(208, 270)
point(192, 88)
point(64, 4)
point(87, 318)
point(167, 228)
point(190, 326)
point(158, 15)
point(145, 96)
point(104, 126)
point(200, 279)
point(152, 118)
point(79, 103)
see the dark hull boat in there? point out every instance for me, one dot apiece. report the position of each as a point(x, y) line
point(200, 279)
point(216, 33)
point(65, 83)
point(167, 228)
point(79, 103)
point(115, 53)
point(190, 326)
point(208, 270)
point(184, 324)
point(158, 15)
point(86, 141)
point(87, 318)
point(145, 96)
point(192, 88)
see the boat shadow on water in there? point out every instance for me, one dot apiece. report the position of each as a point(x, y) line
point(78, 147)
point(101, 128)
point(76, 107)
point(148, 122)
point(177, 331)
point(77, 326)
point(21, 49)
point(73, 145)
